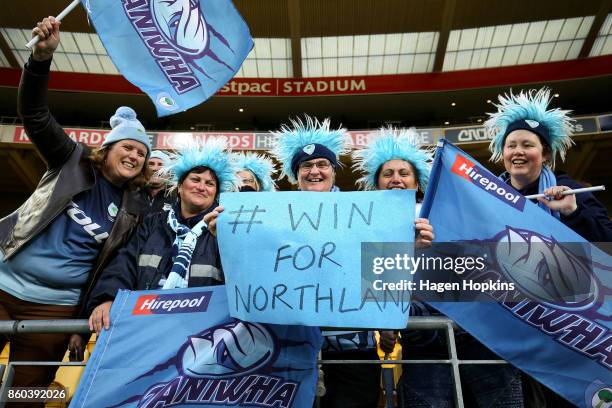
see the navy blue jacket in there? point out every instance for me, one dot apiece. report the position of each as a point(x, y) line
point(590, 219)
point(148, 257)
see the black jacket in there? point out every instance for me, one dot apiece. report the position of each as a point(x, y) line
point(590, 219)
point(163, 197)
point(69, 172)
point(148, 257)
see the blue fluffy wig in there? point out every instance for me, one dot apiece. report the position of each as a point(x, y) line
point(530, 106)
point(392, 144)
point(212, 154)
point(261, 166)
point(292, 139)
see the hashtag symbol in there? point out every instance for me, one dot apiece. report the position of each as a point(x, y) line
point(250, 222)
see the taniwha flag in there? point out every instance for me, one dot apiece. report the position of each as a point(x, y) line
point(181, 348)
point(555, 324)
point(179, 52)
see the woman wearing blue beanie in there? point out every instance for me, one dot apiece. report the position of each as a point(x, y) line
point(84, 208)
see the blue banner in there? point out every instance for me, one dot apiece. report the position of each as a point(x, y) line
point(563, 341)
point(178, 52)
point(306, 257)
point(180, 348)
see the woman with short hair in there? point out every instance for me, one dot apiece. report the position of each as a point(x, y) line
point(173, 248)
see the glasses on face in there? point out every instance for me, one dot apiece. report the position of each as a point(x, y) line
point(306, 167)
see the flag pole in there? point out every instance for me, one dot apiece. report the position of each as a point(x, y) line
point(59, 17)
point(568, 192)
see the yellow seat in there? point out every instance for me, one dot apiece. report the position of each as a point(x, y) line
point(67, 378)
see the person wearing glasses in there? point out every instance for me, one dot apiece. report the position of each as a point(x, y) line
point(309, 154)
point(255, 172)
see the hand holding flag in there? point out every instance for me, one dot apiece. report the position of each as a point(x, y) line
point(48, 34)
point(562, 341)
point(59, 18)
point(178, 52)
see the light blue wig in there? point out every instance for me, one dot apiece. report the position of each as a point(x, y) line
point(212, 154)
point(392, 144)
point(291, 140)
point(530, 105)
point(261, 166)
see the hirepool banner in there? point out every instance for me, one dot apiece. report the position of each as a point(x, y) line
point(178, 52)
point(181, 348)
point(300, 257)
point(563, 341)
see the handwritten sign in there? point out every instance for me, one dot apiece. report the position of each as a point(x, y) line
point(296, 257)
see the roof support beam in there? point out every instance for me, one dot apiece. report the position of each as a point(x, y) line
point(448, 14)
point(296, 39)
point(6, 50)
point(604, 8)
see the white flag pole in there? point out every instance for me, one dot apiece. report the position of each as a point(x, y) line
point(59, 17)
point(568, 192)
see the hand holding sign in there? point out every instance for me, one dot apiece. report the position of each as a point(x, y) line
point(294, 257)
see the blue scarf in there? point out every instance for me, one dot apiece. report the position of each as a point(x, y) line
point(184, 243)
point(547, 179)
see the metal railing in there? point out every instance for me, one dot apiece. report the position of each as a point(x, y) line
point(9, 327)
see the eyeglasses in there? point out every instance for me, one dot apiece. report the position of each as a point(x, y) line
point(307, 167)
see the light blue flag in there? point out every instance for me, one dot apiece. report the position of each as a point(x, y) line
point(180, 348)
point(556, 326)
point(307, 258)
point(179, 52)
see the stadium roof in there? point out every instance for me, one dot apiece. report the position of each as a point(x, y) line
point(431, 63)
point(493, 44)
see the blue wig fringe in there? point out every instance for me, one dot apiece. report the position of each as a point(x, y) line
point(261, 166)
point(291, 140)
point(212, 154)
point(392, 144)
point(530, 105)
